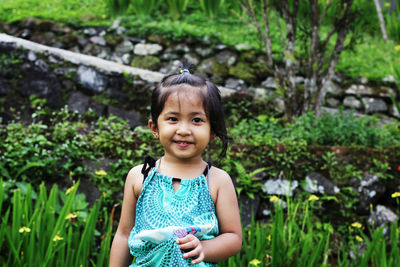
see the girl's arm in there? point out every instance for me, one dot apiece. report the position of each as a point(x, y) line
point(229, 242)
point(120, 255)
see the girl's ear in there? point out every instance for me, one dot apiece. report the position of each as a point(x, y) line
point(153, 128)
point(213, 137)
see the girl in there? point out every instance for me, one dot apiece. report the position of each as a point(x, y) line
point(180, 210)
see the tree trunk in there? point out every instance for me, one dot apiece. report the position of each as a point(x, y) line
point(381, 20)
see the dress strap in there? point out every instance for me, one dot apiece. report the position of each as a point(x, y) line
point(205, 172)
point(149, 163)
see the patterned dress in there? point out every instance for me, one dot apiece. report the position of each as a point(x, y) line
point(159, 206)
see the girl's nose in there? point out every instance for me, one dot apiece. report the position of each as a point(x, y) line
point(183, 130)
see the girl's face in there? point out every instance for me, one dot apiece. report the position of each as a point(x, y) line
point(183, 127)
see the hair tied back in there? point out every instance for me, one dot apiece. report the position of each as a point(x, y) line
point(183, 71)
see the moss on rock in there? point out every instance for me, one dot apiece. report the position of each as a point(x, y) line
point(243, 71)
point(146, 62)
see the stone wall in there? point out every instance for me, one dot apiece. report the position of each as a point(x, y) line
point(239, 68)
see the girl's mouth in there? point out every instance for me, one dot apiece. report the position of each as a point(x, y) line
point(182, 144)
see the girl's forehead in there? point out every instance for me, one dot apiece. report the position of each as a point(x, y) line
point(184, 99)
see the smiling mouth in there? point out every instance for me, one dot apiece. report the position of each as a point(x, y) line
point(182, 143)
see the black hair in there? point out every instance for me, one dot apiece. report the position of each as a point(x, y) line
point(208, 92)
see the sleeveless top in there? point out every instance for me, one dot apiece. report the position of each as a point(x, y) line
point(160, 207)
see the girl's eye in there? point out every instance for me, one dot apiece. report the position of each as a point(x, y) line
point(197, 120)
point(173, 119)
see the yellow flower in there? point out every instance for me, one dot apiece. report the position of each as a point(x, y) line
point(356, 225)
point(273, 199)
point(69, 190)
point(387, 4)
point(70, 216)
point(396, 194)
point(254, 262)
point(100, 172)
point(359, 238)
point(104, 16)
point(57, 238)
point(397, 47)
point(104, 194)
point(24, 229)
point(269, 238)
point(267, 256)
point(313, 198)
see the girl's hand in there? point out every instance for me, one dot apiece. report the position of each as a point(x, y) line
point(192, 243)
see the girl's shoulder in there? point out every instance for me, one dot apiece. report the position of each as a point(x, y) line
point(134, 179)
point(219, 177)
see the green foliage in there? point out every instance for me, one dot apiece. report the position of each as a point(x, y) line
point(211, 7)
point(392, 21)
point(247, 182)
point(290, 238)
point(54, 230)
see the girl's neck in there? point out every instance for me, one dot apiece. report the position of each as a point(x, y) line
point(181, 168)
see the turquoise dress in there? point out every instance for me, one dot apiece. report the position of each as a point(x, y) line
point(159, 207)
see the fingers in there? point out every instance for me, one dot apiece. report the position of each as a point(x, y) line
point(193, 244)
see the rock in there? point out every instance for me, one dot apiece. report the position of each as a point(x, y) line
point(363, 80)
point(220, 46)
point(373, 105)
point(226, 58)
point(243, 47)
point(4, 88)
point(120, 30)
point(299, 79)
point(359, 90)
point(90, 31)
point(125, 47)
point(352, 102)
point(78, 102)
point(82, 41)
point(381, 216)
point(260, 92)
point(191, 58)
point(91, 79)
point(169, 56)
point(147, 49)
point(132, 117)
point(116, 23)
point(172, 67)
point(54, 60)
point(243, 71)
point(46, 38)
point(333, 89)
point(394, 112)
point(181, 48)
point(203, 51)
point(269, 83)
point(126, 58)
point(98, 40)
point(44, 85)
point(280, 187)
point(32, 56)
point(236, 84)
point(26, 34)
point(146, 62)
point(248, 207)
point(389, 79)
point(105, 53)
point(279, 105)
point(370, 189)
point(316, 183)
point(42, 66)
point(332, 102)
